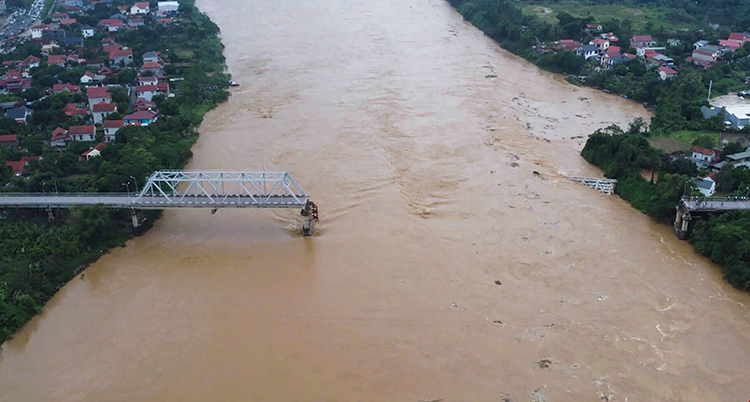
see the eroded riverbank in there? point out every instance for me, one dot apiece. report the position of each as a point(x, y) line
point(424, 168)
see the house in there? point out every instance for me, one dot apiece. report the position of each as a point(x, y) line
point(101, 110)
point(3, 7)
point(588, 51)
point(168, 6)
point(151, 80)
point(143, 118)
point(76, 41)
point(162, 88)
point(739, 159)
point(110, 129)
point(610, 37)
point(145, 91)
point(706, 185)
point(54, 35)
point(60, 138)
point(38, 30)
point(658, 60)
point(122, 57)
point(569, 44)
point(119, 16)
point(59, 16)
point(70, 88)
point(82, 133)
point(136, 22)
point(611, 53)
point(707, 53)
point(702, 156)
point(165, 21)
point(150, 57)
point(111, 48)
point(601, 45)
point(49, 46)
point(649, 51)
point(19, 114)
point(666, 72)
point(140, 8)
point(9, 141)
point(68, 21)
point(30, 62)
point(673, 42)
point(730, 45)
point(740, 37)
point(112, 24)
point(93, 152)
point(107, 72)
point(153, 67)
point(57, 60)
point(642, 41)
point(87, 31)
point(89, 77)
point(98, 95)
point(19, 167)
point(594, 28)
point(71, 109)
point(699, 44)
point(142, 104)
point(94, 63)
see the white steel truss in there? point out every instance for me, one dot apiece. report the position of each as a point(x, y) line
point(221, 189)
point(604, 186)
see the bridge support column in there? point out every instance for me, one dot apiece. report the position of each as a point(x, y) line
point(309, 216)
point(50, 215)
point(682, 224)
point(137, 223)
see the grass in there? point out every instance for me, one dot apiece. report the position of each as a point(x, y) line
point(689, 136)
point(639, 16)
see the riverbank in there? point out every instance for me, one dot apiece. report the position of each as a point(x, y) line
point(40, 256)
point(423, 169)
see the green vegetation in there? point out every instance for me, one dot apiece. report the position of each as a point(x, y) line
point(39, 257)
point(624, 155)
point(690, 138)
point(640, 17)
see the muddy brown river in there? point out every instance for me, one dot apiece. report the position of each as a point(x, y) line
point(453, 260)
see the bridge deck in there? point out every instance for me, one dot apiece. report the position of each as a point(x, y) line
point(715, 205)
point(149, 202)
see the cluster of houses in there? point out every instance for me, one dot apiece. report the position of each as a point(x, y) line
point(714, 161)
point(65, 33)
point(603, 50)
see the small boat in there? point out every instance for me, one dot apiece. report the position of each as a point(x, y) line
point(234, 83)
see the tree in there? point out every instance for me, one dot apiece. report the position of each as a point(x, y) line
point(733, 148)
point(704, 141)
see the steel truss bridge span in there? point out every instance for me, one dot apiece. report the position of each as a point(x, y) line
point(176, 189)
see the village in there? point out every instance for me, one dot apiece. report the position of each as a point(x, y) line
point(80, 75)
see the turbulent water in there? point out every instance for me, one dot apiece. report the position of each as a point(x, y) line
point(453, 261)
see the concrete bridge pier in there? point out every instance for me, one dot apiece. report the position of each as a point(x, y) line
point(682, 224)
point(309, 216)
point(138, 226)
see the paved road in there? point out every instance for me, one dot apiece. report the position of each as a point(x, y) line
point(716, 205)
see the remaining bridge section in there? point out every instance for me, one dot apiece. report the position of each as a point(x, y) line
point(186, 189)
point(604, 186)
point(690, 207)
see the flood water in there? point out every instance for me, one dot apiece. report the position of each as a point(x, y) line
point(453, 260)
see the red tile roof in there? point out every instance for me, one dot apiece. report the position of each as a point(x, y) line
point(740, 36)
point(72, 110)
point(142, 115)
point(56, 59)
point(8, 138)
point(162, 86)
point(111, 48)
point(17, 166)
point(68, 21)
point(641, 38)
point(114, 123)
point(142, 5)
point(70, 87)
point(120, 53)
point(111, 22)
point(30, 158)
point(103, 107)
point(59, 131)
point(703, 151)
point(145, 88)
point(98, 92)
point(151, 64)
point(82, 129)
point(667, 70)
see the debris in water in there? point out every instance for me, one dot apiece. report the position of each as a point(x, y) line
point(490, 76)
point(537, 174)
point(601, 296)
point(545, 363)
point(455, 307)
point(498, 283)
point(507, 397)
